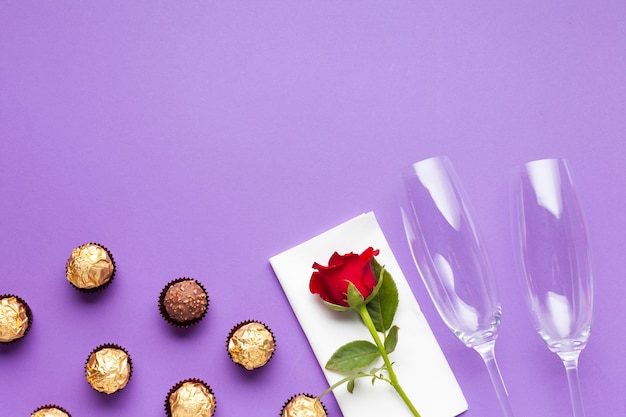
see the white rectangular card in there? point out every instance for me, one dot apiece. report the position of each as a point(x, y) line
point(420, 364)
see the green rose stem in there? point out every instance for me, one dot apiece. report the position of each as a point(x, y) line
point(393, 379)
point(361, 271)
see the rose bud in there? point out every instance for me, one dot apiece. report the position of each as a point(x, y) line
point(331, 282)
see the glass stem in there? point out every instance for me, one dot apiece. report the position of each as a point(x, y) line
point(570, 360)
point(487, 352)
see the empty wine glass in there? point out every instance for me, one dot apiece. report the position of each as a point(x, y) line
point(452, 262)
point(551, 240)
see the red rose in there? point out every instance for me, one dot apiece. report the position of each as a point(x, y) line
point(331, 282)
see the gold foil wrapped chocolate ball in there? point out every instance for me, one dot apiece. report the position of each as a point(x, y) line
point(303, 405)
point(90, 267)
point(15, 318)
point(50, 411)
point(251, 344)
point(190, 398)
point(108, 368)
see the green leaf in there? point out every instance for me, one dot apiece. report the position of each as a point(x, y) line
point(383, 306)
point(355, 298)
point(350, 386)
point(392, 339)
point(353, 355)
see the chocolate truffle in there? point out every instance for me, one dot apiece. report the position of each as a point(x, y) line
point(251, 344)
point(190, 398)
point(90, 267)
point(183, 302)
point(303, 405)
point(108, 368)
point(15, 318)
point(50, 411)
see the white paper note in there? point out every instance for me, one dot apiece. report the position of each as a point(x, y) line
point(420, 364)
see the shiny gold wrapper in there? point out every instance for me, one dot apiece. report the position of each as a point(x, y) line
point(13, 319)
point(90, 266)
point(192, 399)
point(50, 411)
point(251, 345)
point(108, 369)
point(303, 405)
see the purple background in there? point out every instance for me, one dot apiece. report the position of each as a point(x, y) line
point(201, 138)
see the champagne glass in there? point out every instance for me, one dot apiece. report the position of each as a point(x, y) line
point(551, 240)
point(451, 260)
